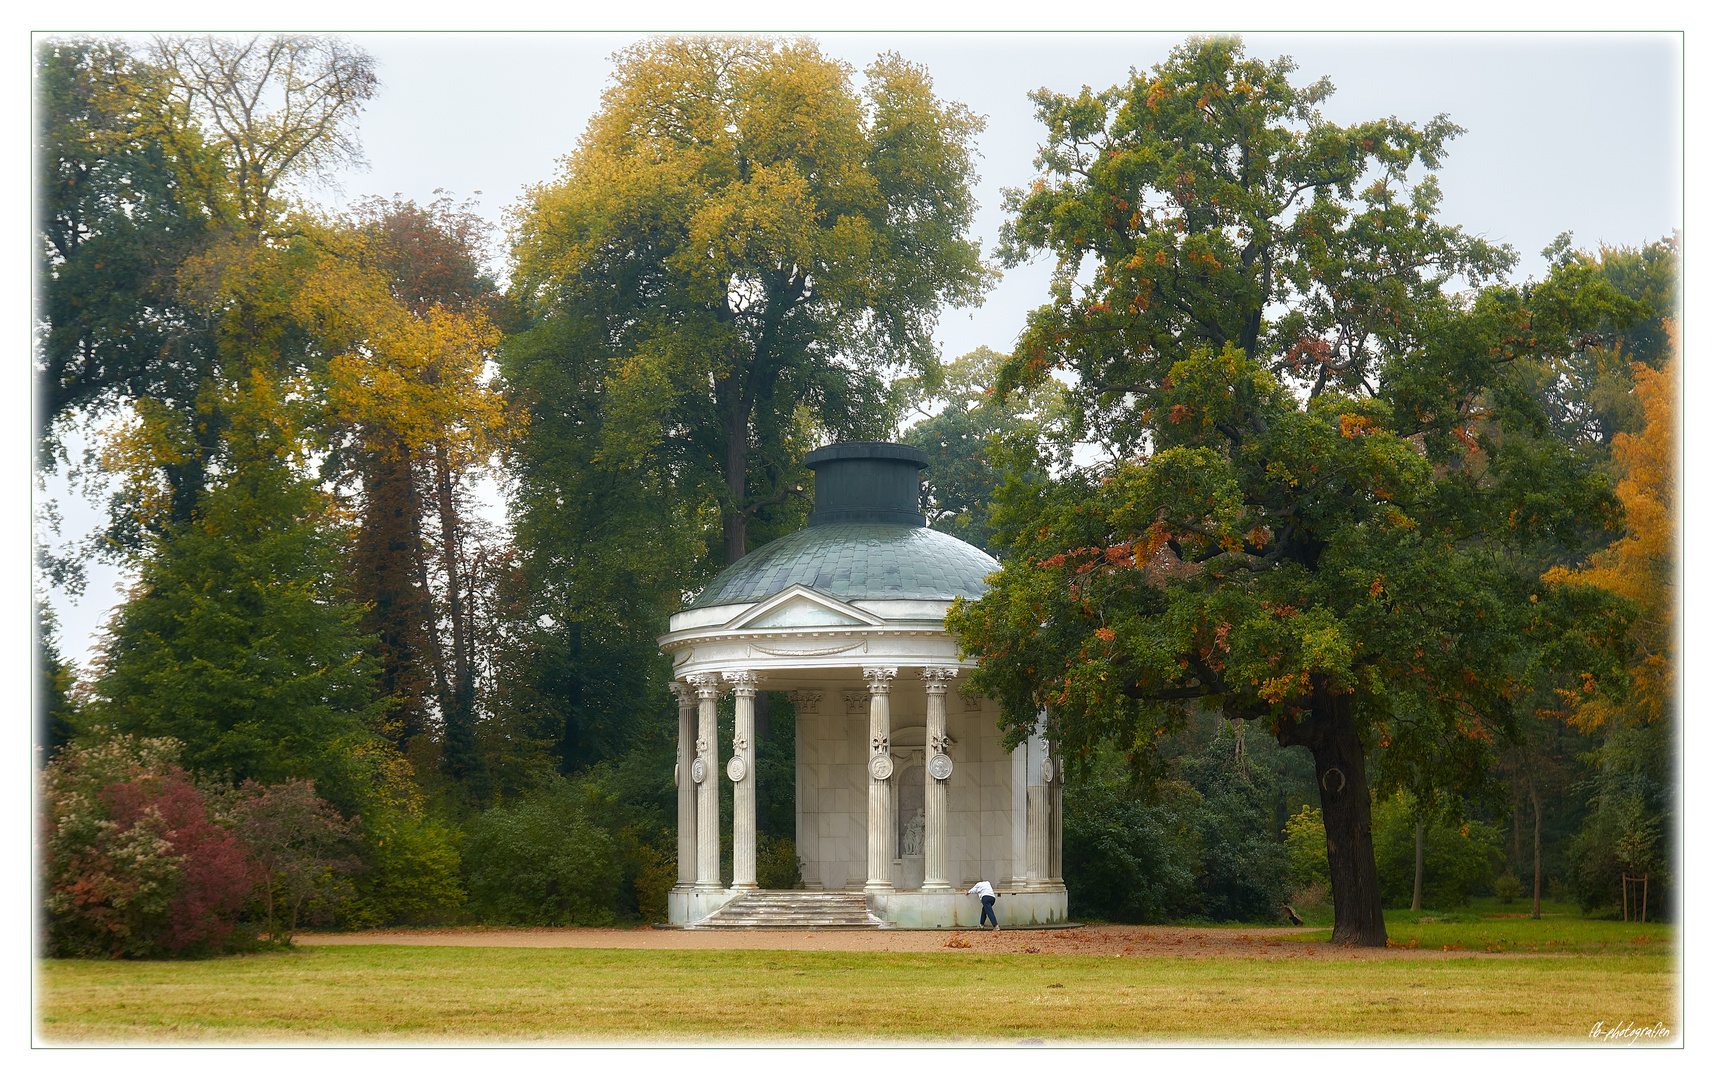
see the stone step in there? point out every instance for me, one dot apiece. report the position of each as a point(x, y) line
point(792, 910)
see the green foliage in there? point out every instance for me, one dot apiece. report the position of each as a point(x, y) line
point(115, 222)
point(605, 553)
point(1460, 858)
point(413, 874)
point(541, 860)
point(1587, 391)
point(776, 770)
point(658, 872)
point(54, 712)
point(1126, 859)
point(977, 438)
point(777, 863)
point(1243, 864)
point(1624, 834)
point(1307, 847)
point(238, 644)
point(1507, 887)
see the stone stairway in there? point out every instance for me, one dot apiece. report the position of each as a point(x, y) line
point(792, 909)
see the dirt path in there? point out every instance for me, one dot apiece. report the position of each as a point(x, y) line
point(1135, 941)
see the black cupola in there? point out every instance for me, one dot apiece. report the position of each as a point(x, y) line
point(867, 481)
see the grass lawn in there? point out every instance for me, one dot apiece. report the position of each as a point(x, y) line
point(1489, 926)
point(398, 994)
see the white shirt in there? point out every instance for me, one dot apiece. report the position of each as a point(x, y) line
point(981, 888)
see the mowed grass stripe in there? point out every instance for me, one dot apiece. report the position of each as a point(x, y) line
point(409, 994)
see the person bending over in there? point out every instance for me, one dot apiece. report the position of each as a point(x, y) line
point(986, 891)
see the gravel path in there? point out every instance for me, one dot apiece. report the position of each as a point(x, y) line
point(1137, 941)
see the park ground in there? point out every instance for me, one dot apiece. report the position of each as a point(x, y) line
point(1470, 977)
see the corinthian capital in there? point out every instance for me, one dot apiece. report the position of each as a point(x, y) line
point(743, 683)
point(879, 678)
point(937, 679)
point(807, 701)
point(685, 692)
point(708, 684)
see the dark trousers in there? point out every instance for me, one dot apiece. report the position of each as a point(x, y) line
point(988, 913)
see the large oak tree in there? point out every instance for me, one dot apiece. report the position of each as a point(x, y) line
point(1324, 467)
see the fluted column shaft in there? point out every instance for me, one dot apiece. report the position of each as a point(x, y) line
point(1036, 810)
point(708, 687)
point(935, 681)
point(1054, 823)
point(743, 766)
point(687, 787)
point(880, 681)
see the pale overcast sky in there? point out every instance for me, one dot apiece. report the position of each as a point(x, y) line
point(1578, 132)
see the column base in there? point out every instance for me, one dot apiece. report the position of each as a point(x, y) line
point(937, 886)
point(878, 887)
point(694, 904)
point(745, 886)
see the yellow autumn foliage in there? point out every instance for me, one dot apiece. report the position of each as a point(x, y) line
point(398, 377)
point(1642, 565)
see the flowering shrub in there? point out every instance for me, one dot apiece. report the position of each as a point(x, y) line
point(135, 866)
point(300, 842)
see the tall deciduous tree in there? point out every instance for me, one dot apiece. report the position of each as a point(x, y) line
point(169, 245)
point(1326, 465)
point(115, 222)
point(750, 243)
point(403, 306)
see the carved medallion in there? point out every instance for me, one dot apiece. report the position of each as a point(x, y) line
point(1047, 770)
point(675, 774)
point(940, 766)
point(735, 769)
point(698, 771)
point(881, 766)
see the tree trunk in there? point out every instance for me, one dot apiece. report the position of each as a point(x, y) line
point(1332, 736)
point(458, 712)
point(1518, 831)
point(1536, 821)
point(384, 573)
point(734, 520)
point(1417, 876)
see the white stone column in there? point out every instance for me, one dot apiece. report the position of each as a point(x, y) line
point(1054, 836)
point(687, 787)
point(708, 686)
point(1038, 772)
point(935, 682)
point(880, 767)
point(741, 770)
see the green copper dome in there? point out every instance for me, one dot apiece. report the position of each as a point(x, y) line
point(856, 561)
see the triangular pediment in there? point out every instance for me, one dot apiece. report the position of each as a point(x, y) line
point(800, 606)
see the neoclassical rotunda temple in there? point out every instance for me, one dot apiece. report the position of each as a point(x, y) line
point(902, 801)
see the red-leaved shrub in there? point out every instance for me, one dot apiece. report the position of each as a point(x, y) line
point(135, 866)
point(217, 874)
